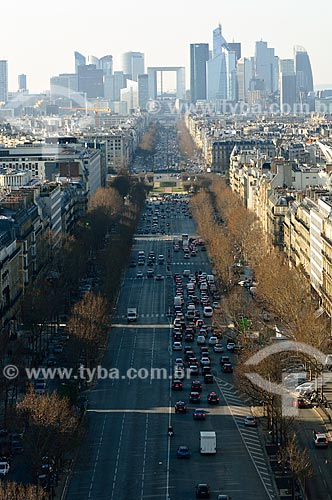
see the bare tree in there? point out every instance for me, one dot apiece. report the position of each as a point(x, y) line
point(10, 490)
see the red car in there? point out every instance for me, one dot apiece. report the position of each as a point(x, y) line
point(176, 385)
point(213, 398)
point(180, 407)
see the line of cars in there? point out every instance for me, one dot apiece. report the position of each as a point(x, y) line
point(195, 302)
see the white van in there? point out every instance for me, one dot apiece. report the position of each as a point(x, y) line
point(4, 468)
point(208, 442)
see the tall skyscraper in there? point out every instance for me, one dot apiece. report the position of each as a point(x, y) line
point(266, 66)
point(303, 71)
point(287, 84)
point(199, 55)
point(80, 60)
point(90, 81)
point(22, 83)
point(221, 69)
point(106, 64)
point(143, 90)
point(245, 73)
point(3, 81)
point(218, 41)
point(64, 85)
point(133, 64)
point(236, 47)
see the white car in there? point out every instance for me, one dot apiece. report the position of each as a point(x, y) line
point(207, 312)
point(230, 346)
point(213, 340)
point(201, 340)
point(177, 346)
point(218, 348)
point(4, 468)
point(305, 389)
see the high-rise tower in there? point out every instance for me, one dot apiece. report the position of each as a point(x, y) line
point(199, 55)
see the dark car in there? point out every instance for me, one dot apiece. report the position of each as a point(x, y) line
point(213, 398)
point(195, 397)
point(206, 370)
point(202, 490)
point(227, 368)
point(199, 414)
point(176, 385)
point(208, 378)
point(225, 359)
point(189, 337)
point(183, 452)
point(196, 386)
point(180, 407)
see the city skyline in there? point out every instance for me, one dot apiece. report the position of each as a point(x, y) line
point(163, 38)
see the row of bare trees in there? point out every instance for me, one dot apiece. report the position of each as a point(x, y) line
point(234, 237)
point(101, 242)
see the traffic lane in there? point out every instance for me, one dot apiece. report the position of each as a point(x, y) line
point(320, 485)
point(230, 471)
point(139, 413)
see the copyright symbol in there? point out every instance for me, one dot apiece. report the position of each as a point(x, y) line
point(153, 107)
point(10, 372)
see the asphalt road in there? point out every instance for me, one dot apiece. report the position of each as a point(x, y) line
point(127, 453)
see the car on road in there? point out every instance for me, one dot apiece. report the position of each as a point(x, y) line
point(182, 452)
point(207, 312)
point(177, 346)
point(196, 386)
point(159, 277)
point(194, 397)
point(225, 359)
point(320, 440)
point(227, 368)
point(224, 497)
point(208, 378)
point(4, 468)
point(213, 340)
point(202, 490)
point(218, 348)
point(305, 389)
point(180, 407)
point(199, 414)
point(230, 346)
point(139, 275)
point(201, 340)
point(213, 398)
point(176, 385)
point(299, 403)
point(205, 361)
point(250, 421)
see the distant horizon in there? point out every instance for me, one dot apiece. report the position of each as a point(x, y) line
point(44, 42)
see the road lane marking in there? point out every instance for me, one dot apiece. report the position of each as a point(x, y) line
point(118, 456)
point(144, 453)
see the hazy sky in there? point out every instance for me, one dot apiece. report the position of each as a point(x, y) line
point(38, 38)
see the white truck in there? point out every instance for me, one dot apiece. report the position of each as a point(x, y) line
point(131, 314)
point(207, 442)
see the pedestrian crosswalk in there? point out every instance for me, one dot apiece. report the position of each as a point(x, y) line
point(152, 315)
point(239, 409)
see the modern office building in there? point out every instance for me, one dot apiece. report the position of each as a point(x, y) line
point(113, 84)
point(236, 47)
point(90, 81)
point(199, 55)
point(221, 70)
point(63, 85)
point(143, 91)
point(267, 67)
point(106, 64)
point(245, 72)
point(3, 81)
point(80, 60)
point(133, 64)
point(303, 71)
point(22, 83)
point(218, 41)
point(287, 85)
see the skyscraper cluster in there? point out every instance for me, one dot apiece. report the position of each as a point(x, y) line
point(224, 75)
